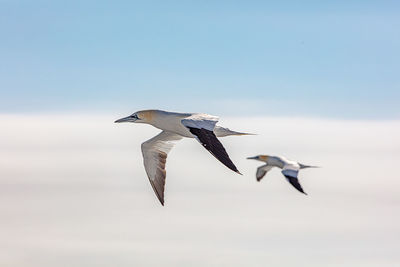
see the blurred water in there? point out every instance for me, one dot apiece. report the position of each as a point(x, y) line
point(73, 192)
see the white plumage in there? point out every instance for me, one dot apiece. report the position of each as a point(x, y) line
point(174, 127)
point(290, 169)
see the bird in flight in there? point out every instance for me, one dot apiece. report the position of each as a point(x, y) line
point(290, 169)
point(174, 127)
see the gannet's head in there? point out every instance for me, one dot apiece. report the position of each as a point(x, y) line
point(260, 158)
point(143, 116)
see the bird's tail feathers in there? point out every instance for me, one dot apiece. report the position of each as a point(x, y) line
point(239, 133)
point(221, 132)
point(303, 166)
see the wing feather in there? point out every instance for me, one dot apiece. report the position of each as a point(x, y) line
point(290, 172)
point(261, 171)
point(201, 121)
point(155, 152)
point(202, 127)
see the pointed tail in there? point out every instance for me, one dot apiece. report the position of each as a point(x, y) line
point(302, 166)
point(221, 132)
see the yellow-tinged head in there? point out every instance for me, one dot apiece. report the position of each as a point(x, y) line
point(146, 116)
point(260, 158)
point(143, 116)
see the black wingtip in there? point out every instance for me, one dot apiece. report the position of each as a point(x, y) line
point(301, 190)
point(295, 183)
point(210, 142)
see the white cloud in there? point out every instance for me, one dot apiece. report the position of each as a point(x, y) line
point(74, 193)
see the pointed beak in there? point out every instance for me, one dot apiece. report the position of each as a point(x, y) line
point(256, 157)
point(126, 119)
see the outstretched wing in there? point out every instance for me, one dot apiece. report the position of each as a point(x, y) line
point(155, 151)
point(202, 127)
point(262, 170)
point(291, 172)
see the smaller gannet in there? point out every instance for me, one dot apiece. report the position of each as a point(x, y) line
point(290, 169)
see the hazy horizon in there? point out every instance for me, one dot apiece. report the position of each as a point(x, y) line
point(74, 192)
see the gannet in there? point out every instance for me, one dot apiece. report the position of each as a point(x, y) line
point(290, 168)
point(174, 127)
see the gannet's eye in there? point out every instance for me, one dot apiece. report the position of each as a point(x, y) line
point(135, 116)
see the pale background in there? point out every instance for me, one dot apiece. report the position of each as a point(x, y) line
point(74, 193)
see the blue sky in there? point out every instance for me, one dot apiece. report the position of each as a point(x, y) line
point(337, 59)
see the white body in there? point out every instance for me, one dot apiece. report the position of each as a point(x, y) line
point(172, 122)
point(290, 168)
point(174, 127)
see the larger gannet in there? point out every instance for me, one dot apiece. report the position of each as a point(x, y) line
point(174, 127)
point(290, 168)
